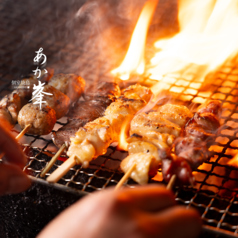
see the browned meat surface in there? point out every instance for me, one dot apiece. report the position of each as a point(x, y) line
point(71, 85)
point(105, 91)
point(192, 150)
point(57, 101)
point(41, 121)
point(12, 102)
point(87, 110)
point(25, 89)
point(5, 115)
point(64, 133)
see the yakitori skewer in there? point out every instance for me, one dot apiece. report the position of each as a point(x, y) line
point(42, 118)
point(125, 177)
point(152, 134)
point(53, 160)
point(95, 105)
point(19, 136)
point(94, 138)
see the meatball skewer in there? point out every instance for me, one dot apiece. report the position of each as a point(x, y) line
point(57, 104)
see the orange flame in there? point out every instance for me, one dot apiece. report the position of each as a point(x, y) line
point(206, 38)
point(124, 133)
point(134, 59)
point(234, 161)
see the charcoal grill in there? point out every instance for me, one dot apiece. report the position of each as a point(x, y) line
point(215, 192)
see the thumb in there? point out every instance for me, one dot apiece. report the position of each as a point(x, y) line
point(12, 179)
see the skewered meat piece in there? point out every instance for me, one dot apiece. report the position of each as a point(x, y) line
point(41, 120)
point(153, 131)
point(105, 91)
point(82, 113)
point(6, 116)
point(71, 85)
point(192, 149)
point(165, 124)
point(63, 135)
point(86, 111)
point(57, 101)
point(180, 167)
point(94, 138)
point(12, 102)
point(144, 163)
point(25, 89)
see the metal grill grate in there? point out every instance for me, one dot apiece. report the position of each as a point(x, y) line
point(215, 194)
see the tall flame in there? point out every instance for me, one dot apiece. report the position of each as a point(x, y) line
point(134, 59)
point(207, 38)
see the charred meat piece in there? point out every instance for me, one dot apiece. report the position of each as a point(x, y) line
point(82, 113)
point(105, 91)
point(64, 133)
point(178, 166)
point(195, 130)
point(199, 133)
point(12, 102)
point(87, 110)
point(6, 116)
point(71, 85)
point(152, 134)
point(212, 106)
point(94, 138)
point(41, 120)
point(194, 151)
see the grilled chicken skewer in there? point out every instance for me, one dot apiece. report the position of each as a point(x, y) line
point(147, 152)
point(94, 138)
point(152, 135)
point(94, 106)
point(83, 112)
point(192, 149)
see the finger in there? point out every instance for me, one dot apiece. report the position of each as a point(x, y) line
point(12, 179)
point(178, 222)
point(147, 198)
point(10, 147)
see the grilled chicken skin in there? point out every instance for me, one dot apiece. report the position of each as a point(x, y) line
point(152, 134)
point(95, 137)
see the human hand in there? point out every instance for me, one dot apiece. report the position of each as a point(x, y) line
point(12, 178)
point(145, 211)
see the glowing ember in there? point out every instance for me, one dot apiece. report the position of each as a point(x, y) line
point(134, 59)
point(234, 161)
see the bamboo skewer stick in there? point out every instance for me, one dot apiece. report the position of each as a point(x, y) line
point(125, 177)
point(19, 136)
point(171, 182)
point(53, 160)
point(62, 170)
point(23, 132)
